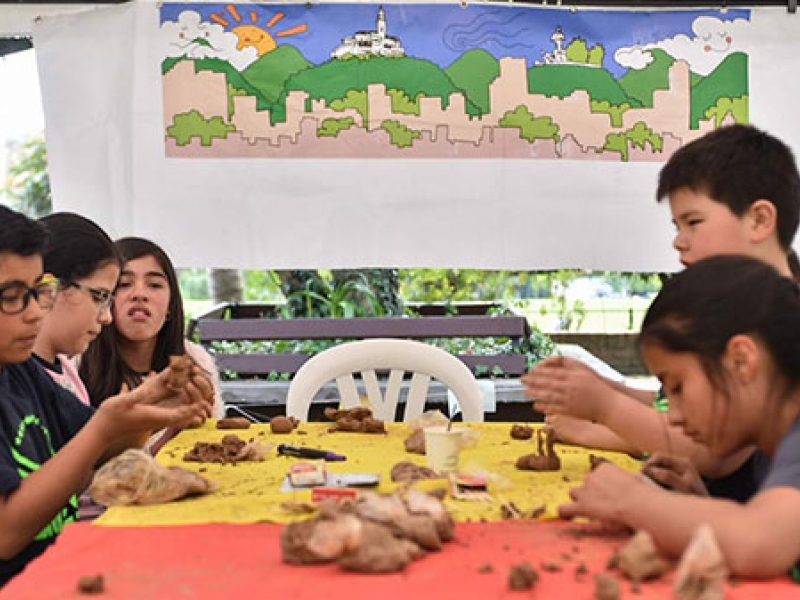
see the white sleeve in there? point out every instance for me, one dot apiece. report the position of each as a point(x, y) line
point(206, 362)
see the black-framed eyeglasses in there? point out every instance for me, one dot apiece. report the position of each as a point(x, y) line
point(103, 298)
point(15, 296)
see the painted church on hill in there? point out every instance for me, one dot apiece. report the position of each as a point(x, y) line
point(370, 43)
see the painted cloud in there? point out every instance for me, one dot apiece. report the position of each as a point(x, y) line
point(194, 38)
point(713, 40)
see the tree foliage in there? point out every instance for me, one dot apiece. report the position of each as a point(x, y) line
point(402, 104)
point(399, 134)
point(193, 124)
point(637, 136)
point(738, 108)
point(356, 99)
point(27, 186)
point(530, 128)
point(615, 111)
point(579, 52)
point(332, 127)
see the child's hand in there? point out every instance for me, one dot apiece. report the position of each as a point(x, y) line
point(676, 473)
point(153, 405)
point(569, 430)
point(561, 385)
point(160, 390)
point(602, 494)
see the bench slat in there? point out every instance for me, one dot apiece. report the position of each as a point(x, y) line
point(213, 330)
point(264, 364)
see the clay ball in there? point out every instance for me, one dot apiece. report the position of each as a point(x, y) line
point(281, 424)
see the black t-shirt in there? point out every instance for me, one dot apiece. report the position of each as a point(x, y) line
point(37, 418)
point(743, 483)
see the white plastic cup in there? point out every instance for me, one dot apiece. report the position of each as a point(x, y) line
point(443, 448)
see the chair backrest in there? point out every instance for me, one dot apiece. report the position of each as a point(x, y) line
point(423, 361)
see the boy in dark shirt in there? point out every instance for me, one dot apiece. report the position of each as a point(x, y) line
point(49, 441)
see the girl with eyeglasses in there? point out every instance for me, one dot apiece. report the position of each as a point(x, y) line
point(84, 266)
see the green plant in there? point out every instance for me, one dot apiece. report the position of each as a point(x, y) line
point(263, 286)
point(347, 298)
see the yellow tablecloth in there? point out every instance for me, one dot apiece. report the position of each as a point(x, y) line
point(249, 492)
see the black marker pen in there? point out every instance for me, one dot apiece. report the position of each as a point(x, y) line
point(300, 452)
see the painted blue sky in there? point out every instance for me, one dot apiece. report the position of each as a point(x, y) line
point(442, 33)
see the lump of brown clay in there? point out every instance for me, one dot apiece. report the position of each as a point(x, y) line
point(375, 534)
point(91, 584)
point(521, 432)
point(606, 587)
point(408, 472)
point(522, 576)
point(231, 449)
point(544, 460)
point(281, 424)
point(415, 443)
point(379, 551)
point(431, 505)
point(134, 477)
point(180, 368)
point(322, 539)
point(702, 571)
point(233, 423)
point(358, 414)
point(639, 560)
point(356, 420)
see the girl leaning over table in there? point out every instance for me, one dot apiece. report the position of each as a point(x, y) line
point(723, 337)
point(148, 328)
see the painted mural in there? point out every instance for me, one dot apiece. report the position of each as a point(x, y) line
point(423, 81)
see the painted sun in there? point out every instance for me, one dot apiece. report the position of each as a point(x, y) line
point(251, 34)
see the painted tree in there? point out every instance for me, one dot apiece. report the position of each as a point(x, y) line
point(530, 127)
point(737, 108)
point(193, 124)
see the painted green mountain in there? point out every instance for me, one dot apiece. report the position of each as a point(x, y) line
point(640, 84)
point(728, 80)
point(562, 80)
point(234, 77)
point(472, 73)
point(333, 79)
point(269, 73)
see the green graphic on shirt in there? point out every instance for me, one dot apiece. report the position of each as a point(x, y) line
point(26, 466)
point(661, 402)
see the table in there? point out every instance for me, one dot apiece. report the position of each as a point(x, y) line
point(220, 562)
point(249, 492)
point(214, 549)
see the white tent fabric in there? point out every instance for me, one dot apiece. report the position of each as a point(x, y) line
point(101, 82)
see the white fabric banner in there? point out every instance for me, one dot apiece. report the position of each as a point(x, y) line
point(110, 104)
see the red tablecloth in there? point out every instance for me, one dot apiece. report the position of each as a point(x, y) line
point(243, 561)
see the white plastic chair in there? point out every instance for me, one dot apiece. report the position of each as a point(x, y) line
point(399, 357)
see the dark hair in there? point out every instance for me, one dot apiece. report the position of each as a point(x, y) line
point(19, 234)
point(102, 367)
point(700, 309)
point(737, 165)
point(77, 247)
